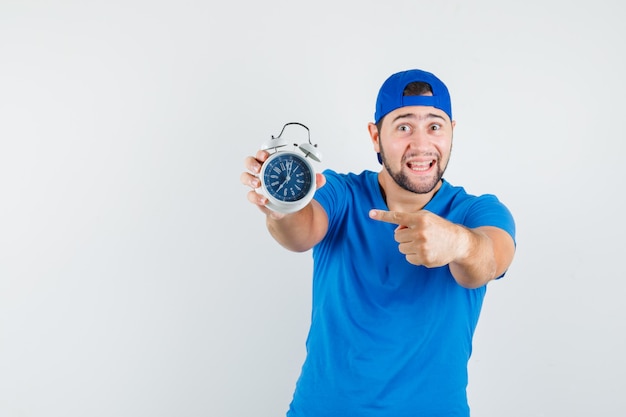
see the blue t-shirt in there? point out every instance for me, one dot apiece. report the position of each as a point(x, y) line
point(387, 338)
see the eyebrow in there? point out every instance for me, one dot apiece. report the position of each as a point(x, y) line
point(414, 116)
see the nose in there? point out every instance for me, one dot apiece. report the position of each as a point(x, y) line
point(419, 140)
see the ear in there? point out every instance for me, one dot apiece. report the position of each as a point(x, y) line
point(373, 130)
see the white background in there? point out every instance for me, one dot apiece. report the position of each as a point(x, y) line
point(136, 280)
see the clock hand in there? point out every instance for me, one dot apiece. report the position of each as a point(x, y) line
point(287, 178)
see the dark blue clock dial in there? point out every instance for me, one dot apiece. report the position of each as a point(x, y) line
point(288, 177)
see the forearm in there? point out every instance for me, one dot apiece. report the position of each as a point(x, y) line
point(476, 263)
point(484, 253)
point(298, 231)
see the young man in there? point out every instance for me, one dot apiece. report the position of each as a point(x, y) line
point(401, 263)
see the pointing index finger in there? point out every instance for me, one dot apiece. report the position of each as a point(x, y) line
point(394, 217)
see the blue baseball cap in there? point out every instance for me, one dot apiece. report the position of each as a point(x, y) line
point(390, 96)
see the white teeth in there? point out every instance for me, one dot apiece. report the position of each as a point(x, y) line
point(420, 166)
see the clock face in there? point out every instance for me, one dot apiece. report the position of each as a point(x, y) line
point(288, 177)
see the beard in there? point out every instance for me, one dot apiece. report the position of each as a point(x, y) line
point(405, 182)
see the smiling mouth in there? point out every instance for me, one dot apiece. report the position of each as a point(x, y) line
point(421, 166)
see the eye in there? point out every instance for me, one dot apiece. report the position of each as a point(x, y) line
point(404, 128)
point(435, 127)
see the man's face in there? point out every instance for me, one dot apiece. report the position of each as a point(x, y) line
point(415, 144)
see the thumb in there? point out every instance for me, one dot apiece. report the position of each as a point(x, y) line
point(320, 180)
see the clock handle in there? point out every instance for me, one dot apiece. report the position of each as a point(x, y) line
point(294, 123)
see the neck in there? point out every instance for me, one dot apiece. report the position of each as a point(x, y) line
point(400, 199)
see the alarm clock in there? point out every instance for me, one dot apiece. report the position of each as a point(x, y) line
point(287, 176)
